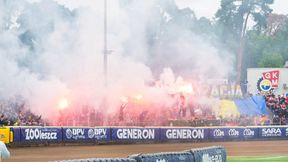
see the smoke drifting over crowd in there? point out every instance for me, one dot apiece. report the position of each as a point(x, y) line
point(49, 52)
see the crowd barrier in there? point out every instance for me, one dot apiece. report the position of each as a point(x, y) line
point(163, 157)
point(208, 154)
point(108, 134)
point(100, 160)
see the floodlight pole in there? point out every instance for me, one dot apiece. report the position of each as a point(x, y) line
point(105, 61)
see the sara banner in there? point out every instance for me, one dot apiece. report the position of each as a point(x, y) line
point(184, 134)
point(41, 134)
point(77, 134)
point(273, 132)
point(135, 133)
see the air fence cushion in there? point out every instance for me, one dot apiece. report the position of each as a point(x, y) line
point(100, 160)
point(164, 157)
point(211, 154)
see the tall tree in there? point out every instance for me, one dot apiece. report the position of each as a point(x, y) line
point(275, 23)
point(233, 17)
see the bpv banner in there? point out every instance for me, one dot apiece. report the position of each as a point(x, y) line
point(73, 134)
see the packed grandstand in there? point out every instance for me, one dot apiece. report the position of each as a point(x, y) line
point(261, 109)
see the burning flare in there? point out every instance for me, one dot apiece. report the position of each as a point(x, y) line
point(188, 88)
point(63, 104)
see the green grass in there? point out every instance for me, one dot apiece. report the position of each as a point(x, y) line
point(257, 159)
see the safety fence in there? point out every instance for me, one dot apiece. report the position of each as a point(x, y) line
point(21, 135)
point(207, 154)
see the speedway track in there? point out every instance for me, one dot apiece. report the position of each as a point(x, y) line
point(50, 153)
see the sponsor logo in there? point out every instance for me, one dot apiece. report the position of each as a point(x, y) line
point(271, 132)
point(286, 131)
point(218, 133)
point(185, 134)
point(69, 133)
point(160, 160)
point(135, 133)
point(248, 132)
point(265, 85)
point(268, 81)
point(98, 133)
point(233, 132)
point(38, 134)
point(2, 136)
point(75, 133)
point(214, 158)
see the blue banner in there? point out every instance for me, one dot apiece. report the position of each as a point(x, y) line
point(249, 133)
point(135, 133)
point(286, 131)
point(233, 133)
point(41, 134)
point(78, 134)
point(16, 134)
point(184, 134)
point(272, 132)
point(217, 133)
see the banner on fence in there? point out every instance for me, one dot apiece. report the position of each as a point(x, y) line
point(217, 133)
point(16, 134)
point(249, 133)
point(41, 134)
point(135, 133)
point(74, 134)
point(233, 133)
point(184, 134)
point(272, 132)
point(5, 134)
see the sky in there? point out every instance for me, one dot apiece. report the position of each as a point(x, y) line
point(200, 6)
point(206, 8)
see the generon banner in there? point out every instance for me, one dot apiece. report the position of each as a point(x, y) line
point(135, 133)
point(184, 134)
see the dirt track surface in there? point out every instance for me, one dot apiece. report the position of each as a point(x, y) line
point(51, 153)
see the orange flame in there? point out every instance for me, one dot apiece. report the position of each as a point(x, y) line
point(139, 97)
point(188, 88)
point(124, 99)
point(63, 104)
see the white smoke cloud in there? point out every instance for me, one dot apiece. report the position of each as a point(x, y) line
point(66, 60)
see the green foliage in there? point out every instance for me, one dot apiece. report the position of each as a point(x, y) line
point(257, 159)
point(271, 59)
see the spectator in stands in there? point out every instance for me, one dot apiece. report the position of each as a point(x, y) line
point(2, 120)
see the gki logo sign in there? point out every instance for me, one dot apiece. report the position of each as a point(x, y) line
point(268, 81)
point(273, 77)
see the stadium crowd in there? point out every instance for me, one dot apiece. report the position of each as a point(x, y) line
point(15, 112)
point(278, 105)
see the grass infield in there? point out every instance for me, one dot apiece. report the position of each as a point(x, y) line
point(258, 158)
